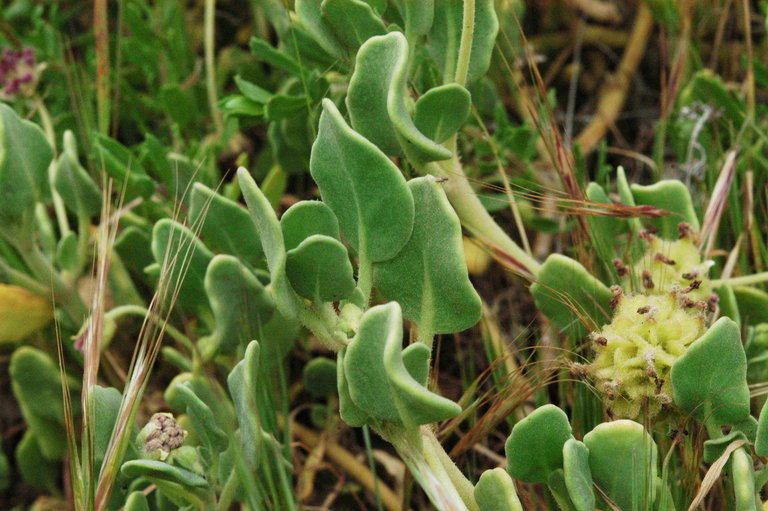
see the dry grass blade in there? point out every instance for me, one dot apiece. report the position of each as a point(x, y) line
point(717, 203)
point(714, 473)
point(176, 262)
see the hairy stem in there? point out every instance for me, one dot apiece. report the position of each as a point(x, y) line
point(465, 46)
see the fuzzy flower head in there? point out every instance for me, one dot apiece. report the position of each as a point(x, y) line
point(19, 73)
point(635, 352)
point(663, 305)
point(160, 436)
point(671, 267)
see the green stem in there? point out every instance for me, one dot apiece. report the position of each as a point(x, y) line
point(465, 46)
point(50, 133)
point(465, 488)
point(364, 275)
point(210, 62)
point(421, 457)
point(745, 280)
point(21, 279)
point(64, 295)
point(228, 492)
point(476, 218)
point(137, 310)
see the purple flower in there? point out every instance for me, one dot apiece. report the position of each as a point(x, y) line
point(19, 73)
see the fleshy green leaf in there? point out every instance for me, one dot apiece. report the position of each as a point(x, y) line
point(350, 413)
point(363, 188)
point(35, 468)
point(241, 382)
point(714, 447)
point(446, 33)
point(669, 195)
point(622, 459)
point(319, 377)
point(577, 475)
point(753, 304)
point(137, 501)
point(181, 247)
point(354, 21)
point(416, 359)
point(225, 226)
point(310, 15)
point(710, 379)
point(378, 380)
point(271, 241)
point(377, 100)
point(535, 447)
point(240, 303)
point(78, 191)
point(202, 419)
point(567, 294)
point(37, 388)
point(306, 218)
point(24, 158)
point(158, 470)
point(428, 277)
point(604, 230)
point(319, 269)
point(418, 16)
point(442, 111)
point(118, 161)
point(495, 491)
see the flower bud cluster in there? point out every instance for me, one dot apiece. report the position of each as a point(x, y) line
point(19, 73)
point(160, 436)
point(663, 305)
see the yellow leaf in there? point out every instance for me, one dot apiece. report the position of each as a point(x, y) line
point(21, 313)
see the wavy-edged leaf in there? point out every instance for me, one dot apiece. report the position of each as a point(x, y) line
point(378, 380)
point(311, 17)
point(350, 413)
point(363, 187)
point(24, 158)
point(319, 377)
point(36, 385)
point(377, 101)
point(416, 404)
point(495, 491)
point(241, 382)
point(319, 269)
point(445, 35)
point(535, 447)
point(428, 277)
point(567, 294)
point(159, 470)
point(80, 194)
point(709, 380)
point(306, 218)
point(240, 303)
point(354, 21)
point(225, 226)
point(271, 241)
point(623, 459)
point(669, 195)
point(416, 359)
point(176, 242)
point(202, 420)
point(442, 111)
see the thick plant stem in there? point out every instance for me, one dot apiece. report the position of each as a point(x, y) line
point(50, 133)
point(476, 218)
point(465, 46)
point(422, 456)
